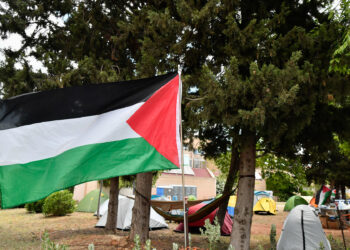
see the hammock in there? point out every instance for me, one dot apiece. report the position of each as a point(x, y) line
point(201, 213)
point(170, 205)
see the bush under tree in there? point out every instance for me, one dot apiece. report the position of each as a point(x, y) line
point(35, 207)
point(59, 204)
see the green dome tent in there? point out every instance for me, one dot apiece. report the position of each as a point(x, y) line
point(293, 202)
point(90, 202)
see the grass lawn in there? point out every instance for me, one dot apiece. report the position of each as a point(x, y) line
point(22, 230)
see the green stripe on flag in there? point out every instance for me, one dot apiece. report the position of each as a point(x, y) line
point(78, 165)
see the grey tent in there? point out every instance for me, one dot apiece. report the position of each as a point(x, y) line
point(302, 230)
point(104, 206)
point(125, 206)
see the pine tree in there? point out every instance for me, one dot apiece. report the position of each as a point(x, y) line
point(253, 70)
point(78, 42)
point(259, 66)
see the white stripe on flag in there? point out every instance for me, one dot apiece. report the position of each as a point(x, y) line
point(48, 139)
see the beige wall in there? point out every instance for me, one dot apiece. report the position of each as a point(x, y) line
point(206, 187)
point(82, 189)
point(260, 185)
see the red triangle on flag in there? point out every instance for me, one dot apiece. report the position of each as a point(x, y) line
point(155, 120)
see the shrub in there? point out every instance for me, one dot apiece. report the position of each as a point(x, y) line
point(212, 232)
point(137, 245)
point(35, 207)
point(192, 198)
point(336, 244)
point(59, 204)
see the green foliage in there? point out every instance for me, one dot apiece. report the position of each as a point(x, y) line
point(137, 243)
point(344, 148)
point(220, 185)
point(336, 244)
point(192, 198)
point(259, 247)
point(322, 247)
point(59, 204)
point(128, 180)
point(273, 241)
point(47, 244)
point(212, 232)
point(307, 193)
point(262, 69)
point(91, 246)
point(341, 56)
point(148, 245)
point(175, 246)
point(35, 207)
point(332, 163)
point(282, 185)
point(223, 162)
point(285, 177)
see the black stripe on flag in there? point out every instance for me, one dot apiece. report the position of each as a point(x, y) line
point(78, 101)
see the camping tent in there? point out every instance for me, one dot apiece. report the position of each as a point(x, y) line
point(104, 205)
point(313, 202)
point(302, 229)
point(194, 226)
point(293, 202)
point(231, 205)
point(125, 206)
point(262, 194)
point(90, 202)
point(265, 205)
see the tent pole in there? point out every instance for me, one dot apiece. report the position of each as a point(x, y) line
point(182, 167)
point(99, 199)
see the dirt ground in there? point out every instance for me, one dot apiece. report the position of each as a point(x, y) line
point(21, 230)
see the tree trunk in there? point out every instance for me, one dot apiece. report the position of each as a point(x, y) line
point(113, 204)
point(343, 194)
point(337, 188)
point(231, 177)
point(141, 209)
point(242, 221)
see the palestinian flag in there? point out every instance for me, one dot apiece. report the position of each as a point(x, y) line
point(322, 195)
point(56, 139)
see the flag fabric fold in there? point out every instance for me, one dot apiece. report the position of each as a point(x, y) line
point(56, 139)
point(322, 195)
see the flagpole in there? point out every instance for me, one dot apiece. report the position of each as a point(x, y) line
point(99, 199)
point(182, 167)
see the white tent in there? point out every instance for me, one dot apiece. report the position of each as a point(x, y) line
point(302, 230)
point(125, 206)
point(104, 205)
